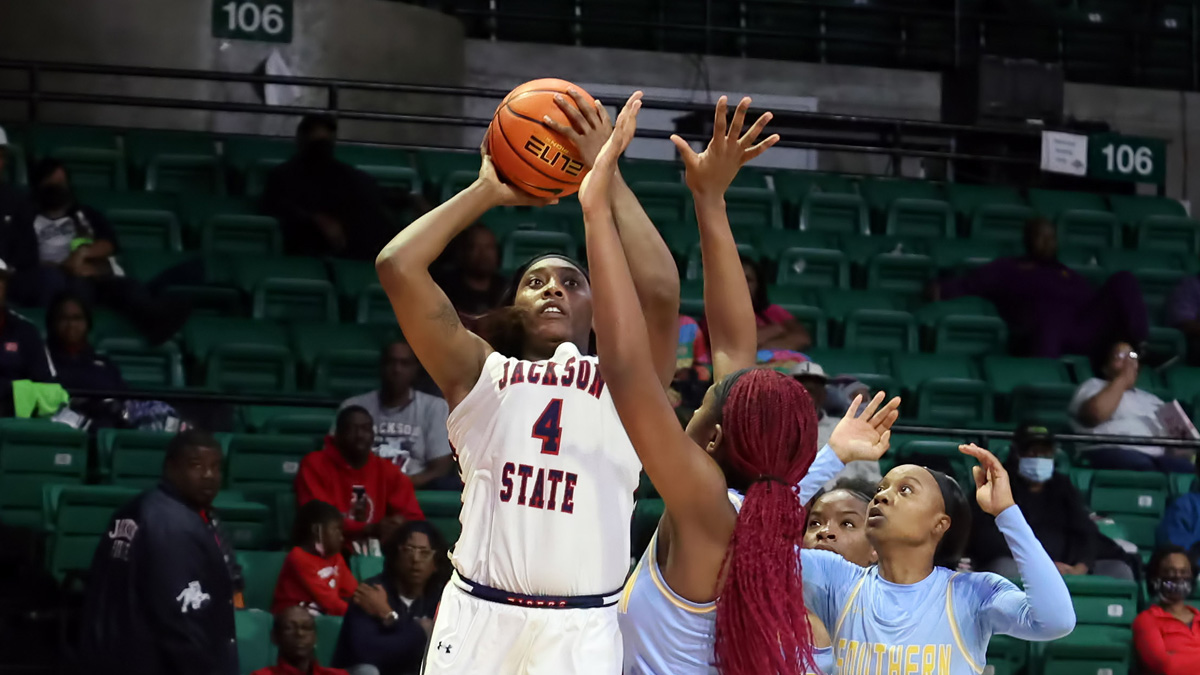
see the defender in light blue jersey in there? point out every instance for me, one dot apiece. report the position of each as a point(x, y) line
point(912, 613)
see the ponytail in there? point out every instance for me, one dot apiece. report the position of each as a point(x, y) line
point(770, 429)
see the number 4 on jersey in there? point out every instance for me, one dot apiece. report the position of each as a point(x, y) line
point(548, 427)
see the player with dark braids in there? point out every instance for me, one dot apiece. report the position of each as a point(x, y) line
point(717, 587)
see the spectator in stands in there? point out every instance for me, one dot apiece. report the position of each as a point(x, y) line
point(410, 426)
point(1165, 635)
point(16, 210)
point(78, 366)
point(837, 521)
point(371, 492)
point(777, 328)
point(1180, 524)
point(1050, 309)
point(315, 575)
point(23, 357)
point(813, 377)
point(692, 379)
point(389, 628)
point(1060, 518)
point(295, 634)
point(71, 248)
point(1114, 405)
point(325, 206)
point(473, 283)
point(160, 593)
point(1183, 313)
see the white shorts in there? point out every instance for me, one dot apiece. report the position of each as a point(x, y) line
point(472, 636)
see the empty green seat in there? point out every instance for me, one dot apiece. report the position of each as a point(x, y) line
point(270, 419)
point(249, 524)
point(1038, 390)
point(253, 630)
point(1173, 234)
point(260, 571)
point(881, 193)
point(665, 202)
point(142, 222)
point(1051, 203)
point(521, 246)
point(967, 199)
point(650, 171)
point(695, 259)
point(902, 273)
point(962, 254)
point(1184, 382)
point(262, 463)
point(756, 207)
point(971, 335)
point(351, 277)
point(341, 359)
point(947, 388)
point(241, 235)
point(876, 329)
point(77, 518)
point(142, 365)
point(1001, 222)
point(186, 174)
point(1088, 650)
point(1095, 229)
point(94, 157)
point(968, 305)
point(925, 218)
point(1133, 209)
point(838, 303)
point(35, 453)
point(143, 146)
point(241, 354)
point(295, 300)
point(834, 213)
point(1133, 492)
point(253, 157)
point(435, 165)
point(794, 186)
point(131, 458)
point(814, 268)
point(250, 270)
point(773, 243)
point(691, 298)
point(1103, 600)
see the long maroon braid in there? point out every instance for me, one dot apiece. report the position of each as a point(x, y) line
point(770, 431)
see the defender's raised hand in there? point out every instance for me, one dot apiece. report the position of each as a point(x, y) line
point(711, 172)
point(992, 489)
point(594, 190)
point(865, 436)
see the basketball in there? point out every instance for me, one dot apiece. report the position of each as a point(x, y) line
point(527, 154)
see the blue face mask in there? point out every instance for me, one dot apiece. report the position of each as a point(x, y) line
point(1036, 469)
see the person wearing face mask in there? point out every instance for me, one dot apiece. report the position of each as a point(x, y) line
point(315, 575)
point(1167, 635)
point(1056, 512)
point(325, 206)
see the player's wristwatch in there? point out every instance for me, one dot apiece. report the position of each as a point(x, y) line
point(391, 619)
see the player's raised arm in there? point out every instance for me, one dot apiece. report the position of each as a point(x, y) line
point(686, 477)
point(655, 276)
point(451, 354)
point(727, 301)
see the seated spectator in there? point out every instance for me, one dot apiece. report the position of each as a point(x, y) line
point(295, 635)
point(1183, 313)
point(1113, 405)
point(391, 620)
point(78, 366)
point(410, 426)
point(1056, 512)
point(164, 583)
point(314, 574)
point(777, 328)
point(16, 211)
point(813, 377)
point(473, 282)
point(24, 356)
point(325, 206)
point(1050, 309)
point(692, 379)
point(1165, 635)
point(71, 248)
point(837, 521)
point(371, 492)
point(1180, 524)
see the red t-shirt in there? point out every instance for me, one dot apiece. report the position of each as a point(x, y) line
point(326, 476)
point(314, 582)
point(1166, 645)
point(282, 668)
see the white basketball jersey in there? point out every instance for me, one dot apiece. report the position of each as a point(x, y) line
point(549, 477)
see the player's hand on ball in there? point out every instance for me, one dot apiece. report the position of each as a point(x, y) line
point(593, 192)
point(865, 436)
point(590, 125)
point(993, 492)
point(711, 172)
point(501, 193)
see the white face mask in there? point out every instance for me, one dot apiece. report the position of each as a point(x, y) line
point(1036, 469)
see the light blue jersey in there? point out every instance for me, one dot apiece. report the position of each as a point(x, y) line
point(665, 634)
point(940, 625)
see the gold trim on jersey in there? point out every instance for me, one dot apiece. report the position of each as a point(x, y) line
point(693, 608)
point(954, 624)
point(623, 604)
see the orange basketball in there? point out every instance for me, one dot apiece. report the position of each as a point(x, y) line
point(529, 155)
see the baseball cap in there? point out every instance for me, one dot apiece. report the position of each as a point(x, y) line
point(808, 369)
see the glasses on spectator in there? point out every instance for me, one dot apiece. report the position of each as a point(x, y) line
point(1128, 355)
point(417, 552)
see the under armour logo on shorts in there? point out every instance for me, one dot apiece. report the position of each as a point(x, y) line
point(444, 646)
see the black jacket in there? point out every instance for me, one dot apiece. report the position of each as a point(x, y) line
point(159, 594)
point(394, 651)
point(1059, 519)
point(18, 246)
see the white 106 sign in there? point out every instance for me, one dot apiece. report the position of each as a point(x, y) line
point(261, 20)
point(1128, 160)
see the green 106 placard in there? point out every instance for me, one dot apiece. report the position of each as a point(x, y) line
point(258, 20)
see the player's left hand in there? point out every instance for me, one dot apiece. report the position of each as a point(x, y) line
point(865, 436)
point(590, 125)
point(992, 490)
point(594, 190)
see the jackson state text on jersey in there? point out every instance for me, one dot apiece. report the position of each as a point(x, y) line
point(549, 475)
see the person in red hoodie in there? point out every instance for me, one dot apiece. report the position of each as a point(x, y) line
point(1167, 635)
point(315, 575)
point(372, 493)
point(295, 634)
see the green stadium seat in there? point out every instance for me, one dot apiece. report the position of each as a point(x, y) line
point(143, 145)
point(967, 305)
point(440, 502)
point(1007, 655)
point(773, 243)
point(1134, 492)
point(35, 453)
point(1037, 390)
point(260, 570)
point(373, 307)
point(249, 271)
point(1184, 382)
point(940, 454)
point(436, 165)
point(971, 335)
point(925, 218)
point(651, 171)
point(95, 157)
point(351, 277)
point(249, 524)
point(253, 157)
point(834, 213)
point(1088, 650)
point(967, 199)
point(241, 235)
point(360, 155)
point(691, 298)
point(753, 177)
point(1139, 531)
point(142, 365)
point(146, 265)
point(757, 207)
point(455, 182)
point(665, 202)
point(814, 268)
point(882, 193)
point(870, 367)
point(295, 300)
point(366, 566)
point(271, 419)
point(961, 254)
point(132, 459)
point(1103, 600)
point(1157, 286)
point(1181, 484)
point(266, 463)
point(900, 273)
point(1114, 259)
point(1133, 210)
point(341, 359)
point(794, 186)
point(946, 388)
point(1051, 203)
point(814, 321)
point(860, 250)
point(1173, 234)
point(1000, 222)
point(77, 516)
point(792, 298)
point(1164, 343)
point(142, 222)
point(186, 174)
point(695, 259)
point(1096, 229)
point(521, 246)
point(837, 303)
point(253, 630)
point(241, 354)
